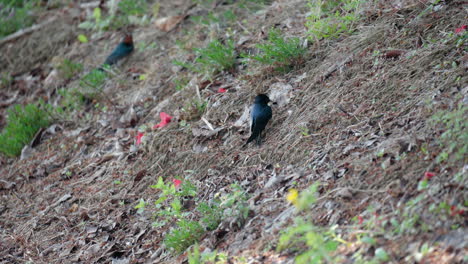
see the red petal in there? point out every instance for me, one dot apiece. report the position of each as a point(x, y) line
point(360, 219)
point(428, 175)
point(455, 211)
point(165, 119)
point(222, 90)
point(138, 138)
point(460, 29)
point(176, 182)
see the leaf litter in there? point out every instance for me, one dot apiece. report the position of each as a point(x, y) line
point(73, 198)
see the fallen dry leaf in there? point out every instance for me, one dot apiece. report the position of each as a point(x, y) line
point(393, 54)
point(167, 24)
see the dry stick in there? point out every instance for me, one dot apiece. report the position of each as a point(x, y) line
point(210, 126)
point(333, 69)
point(90, 4)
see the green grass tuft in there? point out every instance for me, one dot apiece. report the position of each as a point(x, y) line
point(280, 52)
point(15, 15)
point(186, 234)
point(330, 19)
point(22, 125)
point(216, 57)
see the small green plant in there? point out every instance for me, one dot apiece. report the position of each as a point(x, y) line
point(453, 139)
point(72, 100)
point(217, 56)
point(15, 15)
point(213, 257)
point(133, 7)
point(184, 235)
point(169, 205)
point(5, 80)
point(169, 210)
point(194, 109)
point(214, 58)
point(92, 83)
point(121, 13)
point(330, 19)
point(279, 52)
point(319, 243)
point(180, 83)
point(305, 131)
point(96, 22)
point(212, 214)
point(140, 206)
point(133, 12)
point(22, 125)
point(235, 204)
point(68, 69)
point(200, 106)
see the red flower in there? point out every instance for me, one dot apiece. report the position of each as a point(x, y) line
point(360, 219)
point(222, 90)
point(138, 138)
point(176, 182)
point(165, 119)
point(428, 175)
point(460, 29)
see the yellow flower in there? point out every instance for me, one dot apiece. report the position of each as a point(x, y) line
point(292, 196)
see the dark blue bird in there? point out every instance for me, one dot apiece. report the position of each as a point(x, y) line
point(261, 114)
point(121, 51)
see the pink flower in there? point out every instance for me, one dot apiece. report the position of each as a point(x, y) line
point(165, 119)
point(428, 175)
point(222, 90)
point(460, 29)
point(176, 182)
point(138, 138)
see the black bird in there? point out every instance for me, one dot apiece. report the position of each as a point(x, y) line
point(121, 51)
point(261, 114)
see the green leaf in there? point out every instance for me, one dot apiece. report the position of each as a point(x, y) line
point(82, 38)
point(86, 25)
point(159, 185)
point(156, 10)
point(176, 205)
point(381, 254)
point(368, 240)
point(97, 14)
point(141, 204)
point(422, 185)
point(160, 200)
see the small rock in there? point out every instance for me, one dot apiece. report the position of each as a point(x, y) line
point(26, 152)
point(129, 119)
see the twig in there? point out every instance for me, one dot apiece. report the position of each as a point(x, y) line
point(333, 69)
point(207, 123)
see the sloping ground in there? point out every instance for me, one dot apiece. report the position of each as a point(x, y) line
point(354, 116)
